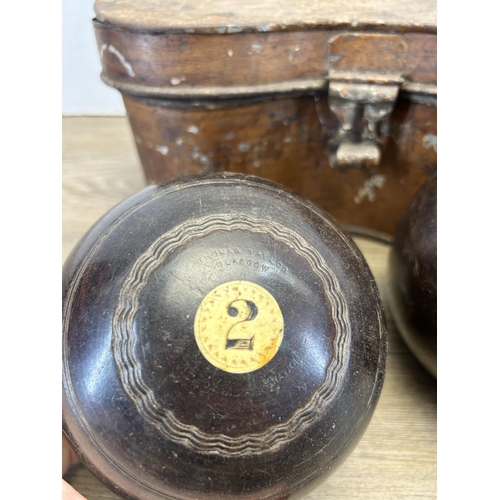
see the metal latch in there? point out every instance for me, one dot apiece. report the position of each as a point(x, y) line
point(364, 79)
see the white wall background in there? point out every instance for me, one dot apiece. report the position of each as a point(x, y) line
point(83, 92)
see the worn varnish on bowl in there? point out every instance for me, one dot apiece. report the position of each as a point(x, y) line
point(413, 276)
point(223, 338)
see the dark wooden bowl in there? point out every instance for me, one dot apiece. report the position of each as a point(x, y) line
point(413, 276)
point(222, 338)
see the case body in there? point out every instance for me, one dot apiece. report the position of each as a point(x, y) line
point(335, 100)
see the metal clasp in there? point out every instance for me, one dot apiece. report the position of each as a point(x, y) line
point(364, 79)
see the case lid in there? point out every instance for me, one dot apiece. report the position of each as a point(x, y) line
point(229, 16)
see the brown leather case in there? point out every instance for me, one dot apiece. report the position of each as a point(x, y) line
point(333, 99)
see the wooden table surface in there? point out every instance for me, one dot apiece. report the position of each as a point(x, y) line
point(395, 459)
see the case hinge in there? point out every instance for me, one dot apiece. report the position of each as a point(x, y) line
point(364, 79)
